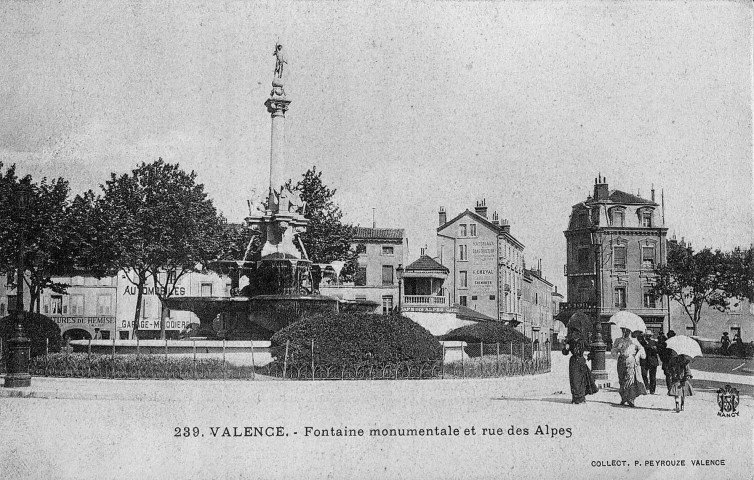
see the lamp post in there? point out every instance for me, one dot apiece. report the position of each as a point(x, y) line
point(399, 274)
point(18, 344)
point(598, 346)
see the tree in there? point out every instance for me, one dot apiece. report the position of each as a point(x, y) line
point(326, 238)
point(741, 272)
point(46, 238)
point(694, 279)
point(157, 223)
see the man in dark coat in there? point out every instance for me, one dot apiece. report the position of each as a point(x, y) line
point(650, 363)
point(665, 353)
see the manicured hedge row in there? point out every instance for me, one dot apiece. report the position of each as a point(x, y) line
point(355, 338)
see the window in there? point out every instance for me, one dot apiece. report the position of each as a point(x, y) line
point(648, 256)
point(473, 297)
point(646, 219)
point(462, 230)
point(387, 250)
point(2, 309)
point(619, 297)
point(462, 300)
point(11, 303)
point(583, 219)
point(123, 335)
point(617, 217)
point(463, 280)
point(472, 229)
point(583, 257)
point(492, 297)
point(105, 334)
point(463, 252)
point(619, 257)
point(104, 304)
point(387, 275)
point(360, 279)
point(56, 305)
point(76, 304)
point(387, 304)
point(649, 298)
point(206, 290)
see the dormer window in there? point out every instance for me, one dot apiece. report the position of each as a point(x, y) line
point(617, 217)
point(645, 217)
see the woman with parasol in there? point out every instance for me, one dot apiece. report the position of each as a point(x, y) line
point(683, 349)
point(579, 375)
point(629, 352)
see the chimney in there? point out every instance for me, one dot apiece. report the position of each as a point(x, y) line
point(443, 216)
point(506, 227)
point(653, 193)
point(422, 252)
point(600, 189)
point(481, 208)
point(495, 219)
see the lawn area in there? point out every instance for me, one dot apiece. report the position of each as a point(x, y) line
point(734, 366)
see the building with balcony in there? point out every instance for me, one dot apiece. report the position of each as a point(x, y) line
point(621, 237)
point(381, 250)
point(427, 302)
point(485, 263)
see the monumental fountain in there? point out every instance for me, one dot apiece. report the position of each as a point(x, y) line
point(280, 288)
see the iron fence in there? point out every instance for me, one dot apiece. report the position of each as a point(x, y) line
point(461, 360)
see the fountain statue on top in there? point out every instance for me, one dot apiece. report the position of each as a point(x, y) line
point(273, 287)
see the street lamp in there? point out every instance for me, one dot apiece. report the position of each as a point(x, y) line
point(18, 344)
point(399, 274)
point(598, 346)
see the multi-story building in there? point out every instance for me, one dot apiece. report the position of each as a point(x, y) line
point(537, 316)
point(485, 263)
point(381, 251)
point(105, 307)
point(621, 237)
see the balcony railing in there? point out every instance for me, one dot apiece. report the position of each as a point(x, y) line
point(425, 300)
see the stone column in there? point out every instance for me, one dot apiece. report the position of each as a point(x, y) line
point(277, 105)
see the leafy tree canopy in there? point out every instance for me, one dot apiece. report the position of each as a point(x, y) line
point(695, 279)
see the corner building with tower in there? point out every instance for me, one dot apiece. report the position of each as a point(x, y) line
point(614, 240)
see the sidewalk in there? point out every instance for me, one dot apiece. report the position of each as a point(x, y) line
point(551, 384)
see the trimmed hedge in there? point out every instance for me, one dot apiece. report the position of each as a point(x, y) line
point(355, 338)
point(37, 328)
point(487, 332)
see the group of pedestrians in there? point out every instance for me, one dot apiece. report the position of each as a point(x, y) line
point(736, 348)
point(638, 357)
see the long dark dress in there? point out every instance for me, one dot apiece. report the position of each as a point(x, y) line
point(579, 375)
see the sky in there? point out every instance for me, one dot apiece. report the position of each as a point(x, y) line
point(404, 107)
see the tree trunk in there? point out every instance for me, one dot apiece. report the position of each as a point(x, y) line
point(164, 313)
point(137, 313)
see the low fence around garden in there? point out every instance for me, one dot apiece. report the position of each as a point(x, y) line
point(215, 360)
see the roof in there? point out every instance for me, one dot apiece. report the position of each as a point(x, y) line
point(469, 314)
point(482, 220)
point(427, 263)
point(365, 233)
point(620, 197)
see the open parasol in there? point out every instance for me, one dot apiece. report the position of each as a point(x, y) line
point(683, 345)
point(628, 320)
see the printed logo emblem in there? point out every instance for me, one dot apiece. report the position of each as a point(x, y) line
point(727, 400)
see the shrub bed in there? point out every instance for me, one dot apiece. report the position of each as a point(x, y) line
point(37, 328)
point(488, 334)
point(355, 338)
point(134, 366)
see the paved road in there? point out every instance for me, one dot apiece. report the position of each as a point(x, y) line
point(129, 431)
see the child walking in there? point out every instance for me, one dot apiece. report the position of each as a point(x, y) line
point(680, 378)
